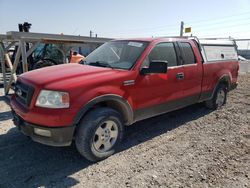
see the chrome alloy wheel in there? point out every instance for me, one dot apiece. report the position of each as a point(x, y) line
point(220, 98)
point(105, 136)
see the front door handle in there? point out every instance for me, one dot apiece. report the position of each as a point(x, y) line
point(180, 76)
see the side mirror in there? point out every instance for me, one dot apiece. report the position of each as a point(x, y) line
point(156, 66)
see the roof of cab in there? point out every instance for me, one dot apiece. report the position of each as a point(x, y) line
point(202, 41)
point(151, 39)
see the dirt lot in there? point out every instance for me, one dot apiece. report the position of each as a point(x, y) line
point(192, 147)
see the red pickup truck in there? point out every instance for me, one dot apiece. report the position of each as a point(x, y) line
point(121, 82)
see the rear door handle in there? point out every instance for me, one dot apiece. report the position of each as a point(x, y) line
point(180, 76)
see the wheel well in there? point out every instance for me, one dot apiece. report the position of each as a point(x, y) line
point(118, 107)
point(225, 81)
point(123, 109)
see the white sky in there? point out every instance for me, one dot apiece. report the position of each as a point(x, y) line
point(130, 18)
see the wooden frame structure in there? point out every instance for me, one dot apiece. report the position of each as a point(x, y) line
point(20, 39)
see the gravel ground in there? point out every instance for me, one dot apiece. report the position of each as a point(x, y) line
point(191, 147)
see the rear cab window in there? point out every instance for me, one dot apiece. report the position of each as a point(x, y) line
point(187, 52)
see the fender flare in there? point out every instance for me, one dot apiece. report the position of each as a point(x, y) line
point(122, 105)
point(223, 79)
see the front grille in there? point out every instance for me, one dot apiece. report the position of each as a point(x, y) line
point(23, 93)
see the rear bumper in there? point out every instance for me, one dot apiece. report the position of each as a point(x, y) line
point(56, 136)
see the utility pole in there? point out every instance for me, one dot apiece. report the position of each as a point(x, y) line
point(181, 28)
point(90, 33)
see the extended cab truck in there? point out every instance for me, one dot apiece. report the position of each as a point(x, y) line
point(121, 82)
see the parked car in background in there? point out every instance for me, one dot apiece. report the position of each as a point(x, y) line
point(240, 58)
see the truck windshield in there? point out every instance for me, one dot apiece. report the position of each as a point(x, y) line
point(116, 54)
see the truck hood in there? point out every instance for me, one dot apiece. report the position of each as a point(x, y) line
point(67, 74)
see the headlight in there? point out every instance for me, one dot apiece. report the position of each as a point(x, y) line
point(53, 99)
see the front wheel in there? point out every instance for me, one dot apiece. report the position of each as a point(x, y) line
point(219, 98)
point(99, 134)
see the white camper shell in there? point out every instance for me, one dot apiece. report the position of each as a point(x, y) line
point(214, 50)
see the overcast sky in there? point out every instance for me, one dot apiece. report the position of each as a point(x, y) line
point(129, 18)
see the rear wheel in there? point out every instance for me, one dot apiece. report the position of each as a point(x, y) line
point(99, 134)
point(219, 98)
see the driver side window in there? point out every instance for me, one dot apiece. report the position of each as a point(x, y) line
point(162, 52)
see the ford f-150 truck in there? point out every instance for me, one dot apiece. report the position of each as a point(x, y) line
point(121, 82)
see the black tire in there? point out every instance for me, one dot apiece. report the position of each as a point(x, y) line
point(213, 103)
point(87, 132)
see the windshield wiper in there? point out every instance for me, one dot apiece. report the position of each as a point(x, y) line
point(101, 64)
